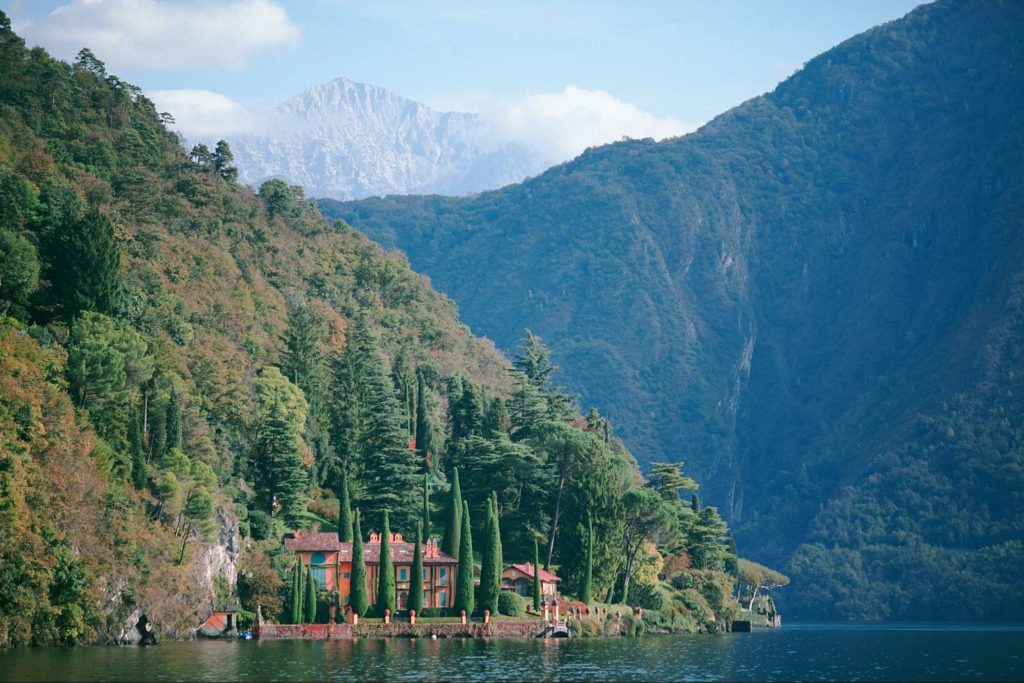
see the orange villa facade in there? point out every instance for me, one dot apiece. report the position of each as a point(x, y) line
point(330, 561)
point(519, 579)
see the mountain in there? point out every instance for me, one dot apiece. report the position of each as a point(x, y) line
point(816, 301)
point(350, 140)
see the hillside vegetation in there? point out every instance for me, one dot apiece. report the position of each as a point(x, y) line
point(815, 301)
point(189, 368)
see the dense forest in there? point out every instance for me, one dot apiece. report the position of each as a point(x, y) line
point(190, 368)
point(815, 300)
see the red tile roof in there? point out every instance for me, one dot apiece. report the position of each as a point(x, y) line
point(327, 542)
point(545, 575)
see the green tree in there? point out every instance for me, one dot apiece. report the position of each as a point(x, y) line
point(360, 599)
point(536, 577)
point(222, 161)
point(425, 522)
point(173, 423)
point(404, 379)
point(281, 475)
point(296, 601)
point(386, 591)
point(649, 517)
point(85, 264)
point(754, 577)
point(344, 510)
point(309, 615)
point(490, 574)
point(424, 429)
point(464, 571)
point(19, 272)
point(451, 543)
point(137, 448)
point(589, 575)
point(416, 586)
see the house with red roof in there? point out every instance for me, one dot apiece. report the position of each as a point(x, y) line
point(330, 561)
point(519, 579)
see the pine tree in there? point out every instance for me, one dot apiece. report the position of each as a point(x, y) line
point(173, 423)
point(450, 544)
point(296, 611)
point(416, 580)
point(589, 575)
point(386, 592)
point(464, 572)
point(280, 472)
point(499, 556)
point(426, 506)
point(536, 577)
point(359, 599)
point(344, 510)
point(311, 590)
point(404, 379)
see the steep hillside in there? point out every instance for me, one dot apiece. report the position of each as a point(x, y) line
point(350, 140)
point(815, 300)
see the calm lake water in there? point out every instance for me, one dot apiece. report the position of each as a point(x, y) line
point(795, 653)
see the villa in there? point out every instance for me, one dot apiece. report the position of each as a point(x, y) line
point(519, 579)
point(331, 563)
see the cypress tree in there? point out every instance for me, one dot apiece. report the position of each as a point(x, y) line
point(536, 577)
point(426, 507)
point(386, 592)
point(490, 572)
point(296, 611)
point(344, 510)
point(464, 580)
point(589, 575)
point(424, 431)
point(138, 451)
point(311, 589)
point(451, 543)
point(173, 423)
point(86, 258)
point(416, 589)
point(359, 599)
point(499, 556)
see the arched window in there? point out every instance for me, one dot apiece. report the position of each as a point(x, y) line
point(317, 565)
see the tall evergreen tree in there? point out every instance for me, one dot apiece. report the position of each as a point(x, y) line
point(424, 429)
point(280, 472)
point(311, 590)
point(588, 576)
point(386, 591)
point(426, 505)
point(464, 572)
point(490, 569)
point(85, 259)
point(404, 379)
point(450, 544)
point(138, 452)
point(536, 577)
point(359, 599)
point(416, 580)
point(344, 510)
point(173, 423)
point(296, 606)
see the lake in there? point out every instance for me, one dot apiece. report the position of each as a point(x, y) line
point(797, 652)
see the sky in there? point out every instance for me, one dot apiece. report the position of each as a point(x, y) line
point(588, 70)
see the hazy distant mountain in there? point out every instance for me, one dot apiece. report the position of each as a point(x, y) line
point(349, 140)
point(816, 301)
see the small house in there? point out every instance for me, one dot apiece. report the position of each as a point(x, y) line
point(519, 579)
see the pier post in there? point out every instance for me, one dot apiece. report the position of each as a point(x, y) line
point(462, 614)
point(487, 616)
point(387, 615)
point(412, 617)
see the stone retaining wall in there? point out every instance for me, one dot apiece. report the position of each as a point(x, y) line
point(503, 628)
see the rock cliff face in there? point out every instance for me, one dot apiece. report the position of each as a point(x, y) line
point(349, 140)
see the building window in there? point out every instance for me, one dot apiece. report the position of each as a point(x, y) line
point(442, 578)
point(344, 575)
point(319, 572)
point(425, 574)
point(346, 599)
point(442, 598)
point(403, 574)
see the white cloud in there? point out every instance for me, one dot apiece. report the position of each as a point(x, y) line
point(159, 34)
point(205, 115)
point(558, 126)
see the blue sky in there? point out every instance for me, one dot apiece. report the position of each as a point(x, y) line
point(638, 65)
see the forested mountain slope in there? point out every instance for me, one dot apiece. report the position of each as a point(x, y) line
point(815, 301)
point(188, 369)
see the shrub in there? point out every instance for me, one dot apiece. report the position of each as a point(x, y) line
point(646, 595)
point(510, 604)
point(260, 525)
